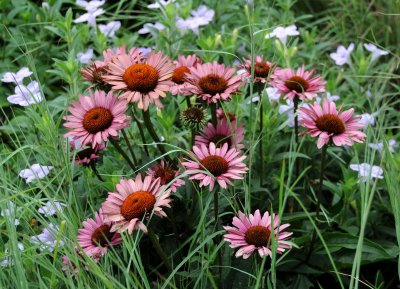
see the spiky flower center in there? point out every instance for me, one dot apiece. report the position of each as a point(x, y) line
point(141, 77)
point(137, 204)
point(94, 73)
point(193, 114)
point(213, 84)
point(297, 83)
point(216, 165)
point(179, 74)
point(97, 119)
point(330, 123)
point(86, 153)
point(258, 236)
point(261, 69)
point(220, 140)
point(166, 174)
point(102, 236)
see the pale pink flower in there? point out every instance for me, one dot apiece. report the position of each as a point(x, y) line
point(255, 234)
point(262, 69)
point(328, 124)
point(182, 69)
point(167, 174)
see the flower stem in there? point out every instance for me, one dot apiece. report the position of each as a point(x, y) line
point(217, 238)
point(129, 147)
point(139, 124)
point(260, 147)
point(152, 132)
point(94, 169)
point(159, 250)
point(213, 108)
point(188, 101)
point(123, 154)
point(296, 136)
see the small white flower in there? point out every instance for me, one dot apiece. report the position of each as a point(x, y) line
point(273, 94)
point(45, 5)
point(8, 260)
point(254, 99)
point(366, 172)
point(36, 171)
point(380, 146)
point(84, 57)
point(342, 54)
point(160, 3)
point(93, 10)
point(48, 238)
point(289, 110)
point(200, 17)
point(329, 97)
point(368, 119)
point(9, 212)
point(18, 77)
point(26, 95)
point(376, 52)
point(283, 32)
point(110, 29)
point(150, 27)
point(162, 139)
point(50, 208)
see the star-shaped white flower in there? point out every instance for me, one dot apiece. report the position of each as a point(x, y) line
point(200, 17)
point(26, 95)
point(84, 57)
point(282, 33)
point(36, 171)
point(367, 173)
point(93, 10)
point(329, 97)
point(47, 239)
point(18, 77)
point(342, 54)
point(392, 144)
point(376, 52)
point(368, 119)
point(150, 27)
point(51, 208)
point(273, 94)
point(160, 3)
point(109, 29)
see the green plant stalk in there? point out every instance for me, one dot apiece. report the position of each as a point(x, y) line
point(123, 154)
point(159, 250)
point(95, 171)
point(141, 132)
point(217, 238)
point(129, 147)
point(213, 108)
point(260, 147)
point(152, 132)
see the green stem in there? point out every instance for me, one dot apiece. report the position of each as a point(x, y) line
point(188, 101)
point(94, 169)
point(213, 108)
point(129, 147)
point(217, 238)
point(152, 132)
point(159, 250)
point(123, 154)
point(260, 147)
point(139, 124)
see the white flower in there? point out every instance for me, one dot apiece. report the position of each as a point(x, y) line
point(160, 3)
point(379, 146)
point(200, 17)
point(110, 29)
point(376, 52)
point(51, 208)
point(273, 94)
point(254, 99)
point(9, 213)
point(48, 238)
point(26, 95)
point(162, 139)
point(342, 55)
point(145, 51)
point(36, 171)
point(368, 119)
point(18, 77)
point(289, 110)
point(366, 172)
point(329, 97)
point(8, 261)
point(84, 57)
point(283, 32)
point(150, 27)
point(93, 10)
point(45, 5)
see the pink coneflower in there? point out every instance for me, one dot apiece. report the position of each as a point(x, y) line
point(85, 155)
point(213, 82)
point(330, 124)
point(96, 236)
point(96, 117)
point(255, 233)
point(135, 200)
point(69, 267)
point(142, 81)
point(224, 133)
point(223, 165)
point(297, 84)
point(182, 69)
point(94, 74)
point(109, 55)
point(166, 173)
point(225, 115)
point(262, 69)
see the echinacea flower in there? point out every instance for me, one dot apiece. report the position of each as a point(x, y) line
point(262, 69)
point(85, 155)
point(328, 124)
point(194, 117)
point(224, 133)
point(94, 74)
point(51, 208)
point(70, 267)
point(342, 54)
point(134, 201)
point(96, 236)
point(217, 165)
point(84, 57)
point(375, 51)
point(221, 114)
point(142, 81)
point(254, 233)
point(167, 174)
point(109, 55)
point(48, 238)
point(35, 171)
point(283, 32)
point(297, 84)
point(182, 69)
point(109, 29)
point(17, 77)
point(366, 172)
point(213, 82)
point(96, 117)
point(26, 95)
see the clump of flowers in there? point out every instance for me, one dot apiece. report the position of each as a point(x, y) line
point(262, 69)
point(182, 69)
